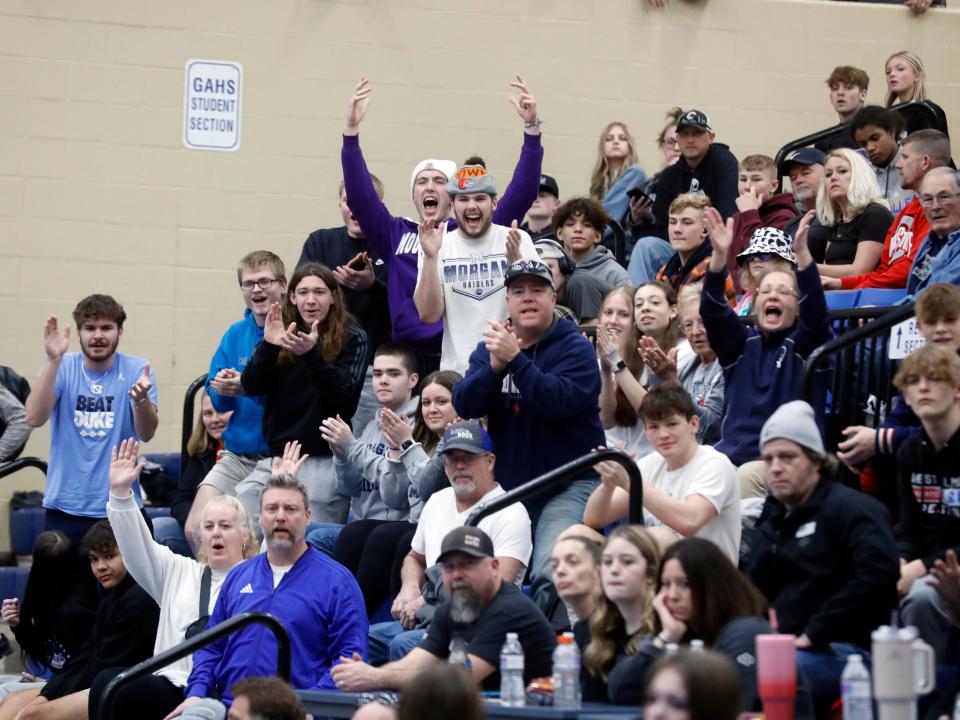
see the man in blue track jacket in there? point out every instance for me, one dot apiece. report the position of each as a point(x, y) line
point(316, 600)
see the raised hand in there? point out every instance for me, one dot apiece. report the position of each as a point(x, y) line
point(357, 107)
point(273, 330)
point(291, 462)
point(301, 342)
point(124, 469)
point(55, 342)
point(800, 247)
point(608, 347)
point(396, 429)
point(348, 277)
point(751, 199)
point(337, 433)
point(525, 103)
point(431, 237)
point(720, 232)
point(501, 343)
point(227, 383)
point(513, 243)
point(140, 390)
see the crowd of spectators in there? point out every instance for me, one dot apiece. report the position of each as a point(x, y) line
point(408, 372)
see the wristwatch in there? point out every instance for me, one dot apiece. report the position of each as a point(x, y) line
point(406, 445)
point(621, 365)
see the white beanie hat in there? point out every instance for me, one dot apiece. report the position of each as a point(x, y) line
point(794, 421)
point(447, 167)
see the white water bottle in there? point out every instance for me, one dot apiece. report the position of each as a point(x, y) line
point(855, 690)
point(512, 690)
point(566, 672)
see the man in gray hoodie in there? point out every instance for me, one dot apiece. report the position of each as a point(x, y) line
point(361, 461)
point(579, 225)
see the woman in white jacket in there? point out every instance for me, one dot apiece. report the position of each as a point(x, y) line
point(173, 581)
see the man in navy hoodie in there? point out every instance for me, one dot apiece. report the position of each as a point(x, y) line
point(263, 282)
point(536, 379)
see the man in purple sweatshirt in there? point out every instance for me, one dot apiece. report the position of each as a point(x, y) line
point(395, 240)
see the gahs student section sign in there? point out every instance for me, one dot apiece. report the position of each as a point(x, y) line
point(211, 105)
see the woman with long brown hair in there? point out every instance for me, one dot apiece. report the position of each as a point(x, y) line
point(309, 366)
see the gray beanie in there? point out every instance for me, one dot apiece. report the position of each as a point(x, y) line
point(794, 421)
point(471, 179)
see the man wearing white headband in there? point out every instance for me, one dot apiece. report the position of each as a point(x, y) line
point(395, 238)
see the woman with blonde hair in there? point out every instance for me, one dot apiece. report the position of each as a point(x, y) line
point(905, 83)
point(852, 209)
point(624, 612)
point(616, 170)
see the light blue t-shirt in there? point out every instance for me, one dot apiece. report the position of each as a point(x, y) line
point(92, 414)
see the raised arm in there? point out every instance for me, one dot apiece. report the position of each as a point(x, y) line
point(525, 183)
point(725, 331)
point(143, 395)
point(43, 396)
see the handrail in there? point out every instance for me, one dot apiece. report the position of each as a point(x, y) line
point(819, 357)
point(188, 647)
point(905, 109)
point(21, 463)
point(187, 430)
point(565, 472)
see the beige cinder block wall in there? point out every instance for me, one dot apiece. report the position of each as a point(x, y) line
point(97, 193)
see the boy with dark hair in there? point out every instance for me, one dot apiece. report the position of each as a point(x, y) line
point(360, 462)
point(876, 129)
point(95, 398)
point(123, 634)
point(262, 278)
point(928, 466)
point(758, 205)
point(688, 488)
point(579, 225)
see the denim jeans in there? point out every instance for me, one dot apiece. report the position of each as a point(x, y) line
point(323, 536)
point(822, 671)
point(388, 641)
point(167, 531)
point(560, 512)
point(648, 256)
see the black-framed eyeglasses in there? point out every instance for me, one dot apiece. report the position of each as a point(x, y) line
point(263, 284)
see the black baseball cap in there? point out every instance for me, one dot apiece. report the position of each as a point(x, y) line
point(528, 268)
point(469, 436)
point(694, 118)
point(803, 156)
point(468, 540)
point(549, 185)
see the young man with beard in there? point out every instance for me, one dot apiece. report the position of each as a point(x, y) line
point(96, 397)
point(537, 381)
point(468, 462)
point(395, 239)
point(482, 609)
point(460, 272)
point(262, 278)
point(920, 152)
point(314, 597)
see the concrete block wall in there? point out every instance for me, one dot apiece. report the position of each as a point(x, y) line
point(97, 193)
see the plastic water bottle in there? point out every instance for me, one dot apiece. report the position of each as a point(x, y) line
point(566, 672)
point(855, 690)
point(512, 691)
point(696, 646)
point(956, 708)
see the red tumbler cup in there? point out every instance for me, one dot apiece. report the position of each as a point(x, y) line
point(777, 675)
